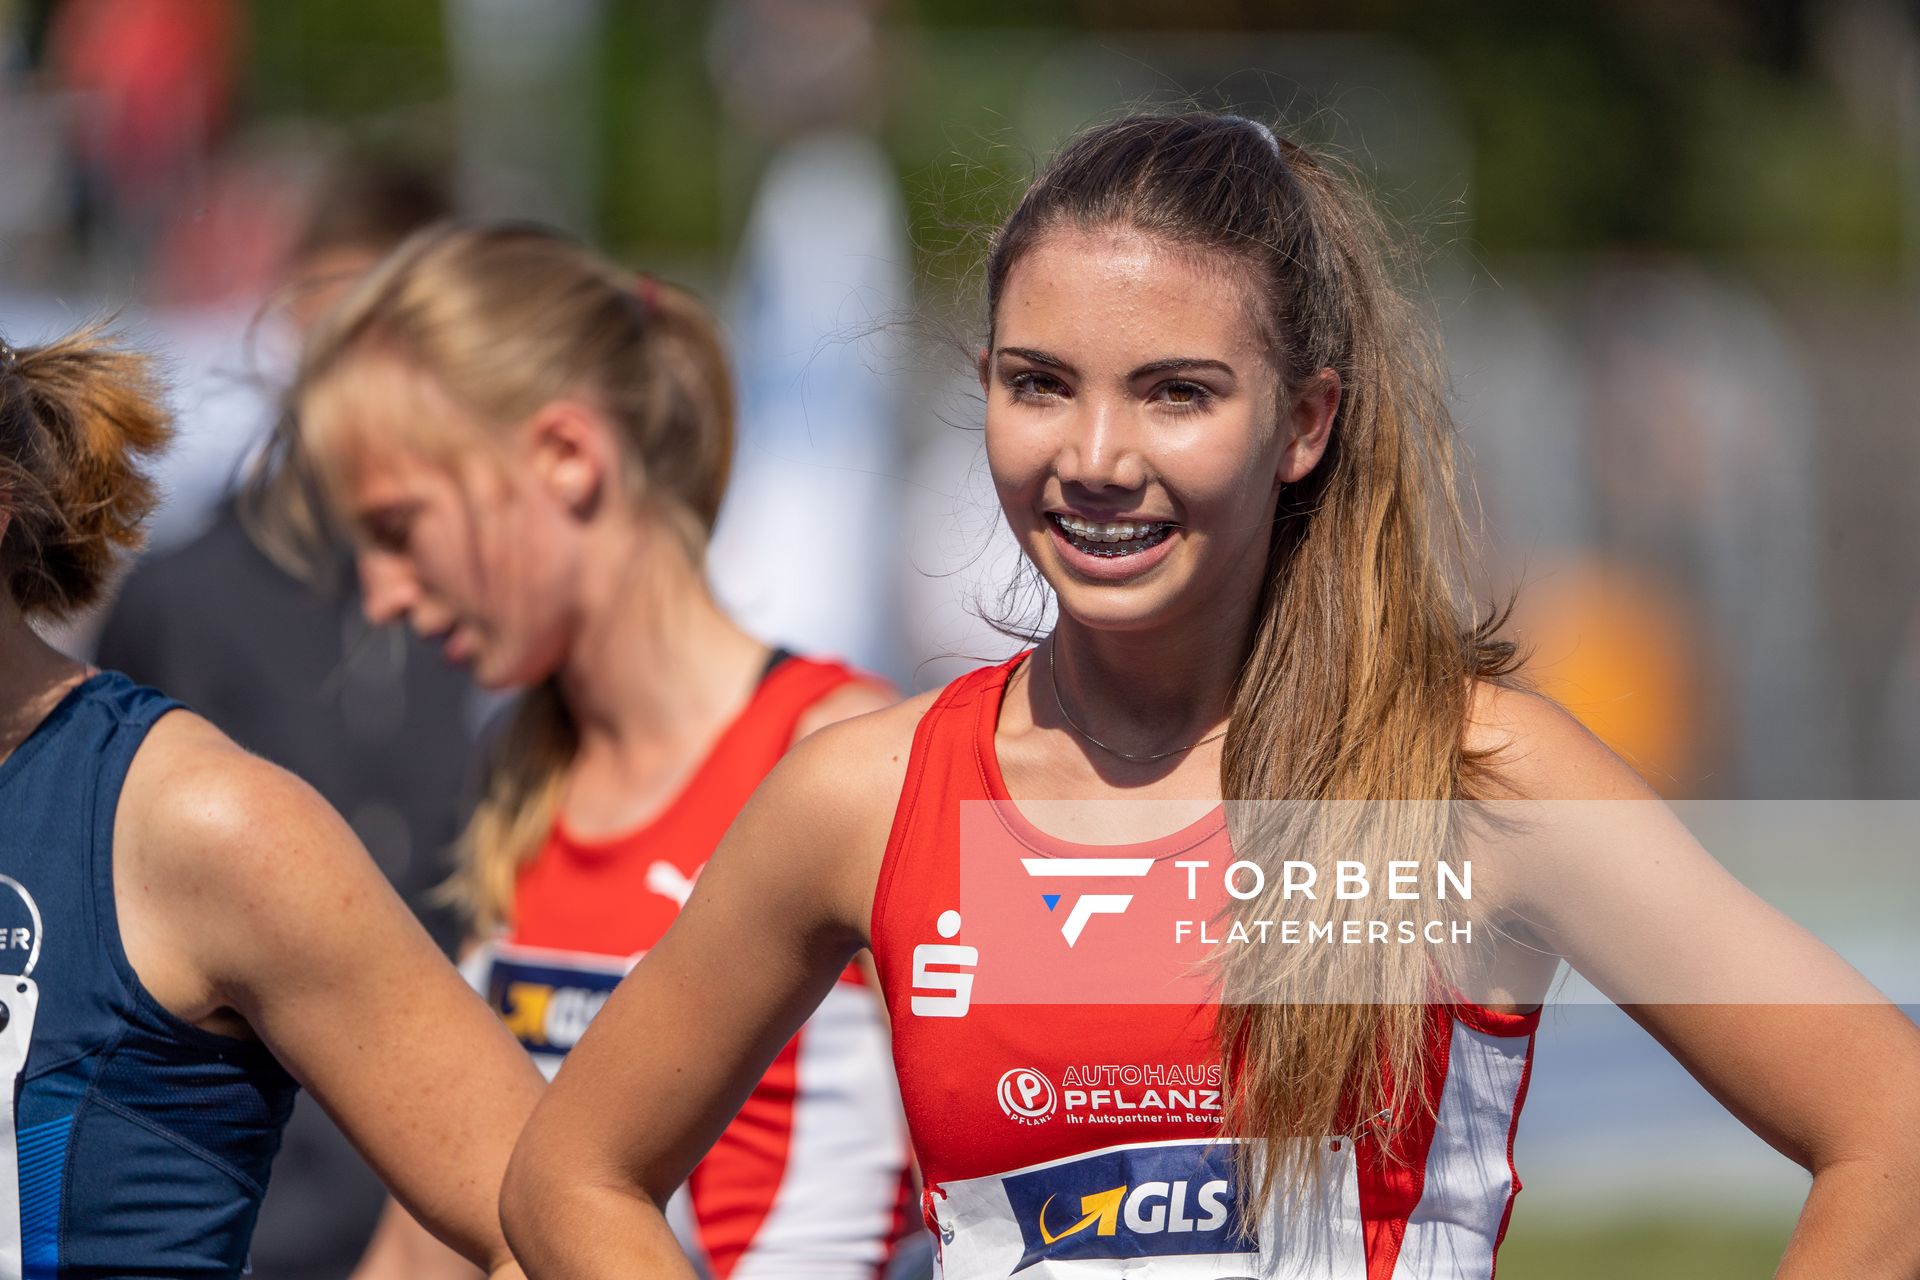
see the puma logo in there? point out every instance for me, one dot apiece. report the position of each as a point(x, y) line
point(667, 880)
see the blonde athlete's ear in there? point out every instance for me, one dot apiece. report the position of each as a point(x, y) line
point(571, 449)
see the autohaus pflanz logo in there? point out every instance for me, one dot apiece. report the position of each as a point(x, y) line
point(1157, 1200)
point(1027, 1096)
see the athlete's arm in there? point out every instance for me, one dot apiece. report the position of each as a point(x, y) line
point(772, 921)
point(246, 905)
point(1832, 1081)
point(402, 1249)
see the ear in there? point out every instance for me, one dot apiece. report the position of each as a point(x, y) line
point(1309, 425)
point(982, 364)
point(571, 452)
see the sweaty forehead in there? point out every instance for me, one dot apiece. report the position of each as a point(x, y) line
point(1117, 294)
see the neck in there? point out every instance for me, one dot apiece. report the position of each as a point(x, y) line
point(34, 676)
point(656, 663)
point(1148, 691)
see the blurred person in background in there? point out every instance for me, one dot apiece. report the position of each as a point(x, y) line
point(370, 717)
point(531, 444)
point(188, 934)
point(156, 81)
point(822, 271)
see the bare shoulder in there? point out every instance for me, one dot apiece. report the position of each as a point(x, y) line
point(855, 698)
point(818, 826)
point(197, 808)
point(207, 833)
point(852, 768)
point(1533, 748)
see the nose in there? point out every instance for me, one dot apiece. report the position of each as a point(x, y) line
point(1101, 451)
point(387, 587)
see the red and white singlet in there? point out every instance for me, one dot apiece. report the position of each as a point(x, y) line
point(811, 1177)
point(1083, 1140)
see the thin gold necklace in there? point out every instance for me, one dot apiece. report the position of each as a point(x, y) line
point(1053, 681)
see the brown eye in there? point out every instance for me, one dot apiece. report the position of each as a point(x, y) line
point(1035, 386)
point(1185, 395)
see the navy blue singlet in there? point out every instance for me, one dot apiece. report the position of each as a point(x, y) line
point(142, 1141)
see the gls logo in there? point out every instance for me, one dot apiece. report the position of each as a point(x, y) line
point(1086, 905)
point(1160, 1200)
point(548, 998)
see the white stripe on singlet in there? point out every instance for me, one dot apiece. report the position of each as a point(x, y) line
point(838, 1195)
point(1469, 1180)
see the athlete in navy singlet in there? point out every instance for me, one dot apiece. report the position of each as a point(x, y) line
point(114, 1171)
point(186, 929)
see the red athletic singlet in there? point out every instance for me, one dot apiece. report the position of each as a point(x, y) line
point(1084, 1140)
point(811, 1176)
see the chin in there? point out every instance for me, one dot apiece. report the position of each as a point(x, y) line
point(1112, 606)
point(1099, 607)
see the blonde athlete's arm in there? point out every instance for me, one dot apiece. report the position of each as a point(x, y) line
point(1624, 892)
point(780, 909)
point(248, 907)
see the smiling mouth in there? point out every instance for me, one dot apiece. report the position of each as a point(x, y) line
point(1122, 538)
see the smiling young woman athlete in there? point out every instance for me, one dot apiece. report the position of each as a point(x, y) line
point(186, 931)
point(532, 445)
point(1218, 435)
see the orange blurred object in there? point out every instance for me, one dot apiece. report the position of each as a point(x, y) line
point(1620, 649)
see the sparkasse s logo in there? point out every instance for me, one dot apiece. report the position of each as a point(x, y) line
point(1027, 1096)
point(1086, 905)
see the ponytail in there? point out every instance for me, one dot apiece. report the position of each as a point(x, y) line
point(80, 417)
point(525, 772)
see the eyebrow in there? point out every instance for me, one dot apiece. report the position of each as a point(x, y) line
point(1182, 362)
point(1167, 365)
point(1036, 357)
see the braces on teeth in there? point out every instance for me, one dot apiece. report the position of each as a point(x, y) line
point(1111, 539)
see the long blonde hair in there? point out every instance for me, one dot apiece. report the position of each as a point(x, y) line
point(503, 319)
point(80, 416)
point(1359, 670)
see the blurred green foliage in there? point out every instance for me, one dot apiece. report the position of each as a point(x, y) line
point(345, 60)
point(1707, 125)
